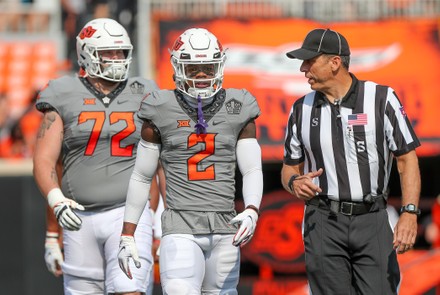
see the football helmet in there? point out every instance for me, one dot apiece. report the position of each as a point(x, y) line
point(198, 61)
point(99, 35)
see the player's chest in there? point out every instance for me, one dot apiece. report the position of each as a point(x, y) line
point(181, 134)
point(89, 121)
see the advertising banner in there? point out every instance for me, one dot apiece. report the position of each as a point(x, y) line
point(402, 54)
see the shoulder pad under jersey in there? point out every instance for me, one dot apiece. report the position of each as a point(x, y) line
point(55, 90)
point(152, 104)
point(159, 97)
point(249, 103)
point(145, 85)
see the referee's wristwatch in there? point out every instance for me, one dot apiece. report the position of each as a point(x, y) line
point(410, 208)
point(291, 180)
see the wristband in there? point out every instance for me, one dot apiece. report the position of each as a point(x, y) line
point(54, 197)
point(291, 180)
point(51, 235)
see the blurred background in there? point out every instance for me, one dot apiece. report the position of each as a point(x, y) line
point(393, 42)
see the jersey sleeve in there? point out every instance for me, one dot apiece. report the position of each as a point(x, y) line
point(150, 108)
point(251, 105)
point(400, 135)
point(293, 148)
point(46, 100)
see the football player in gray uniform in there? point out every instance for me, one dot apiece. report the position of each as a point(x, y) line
point(90, 125)
point(200, 131)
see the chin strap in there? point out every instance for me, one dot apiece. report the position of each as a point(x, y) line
point(201, 123)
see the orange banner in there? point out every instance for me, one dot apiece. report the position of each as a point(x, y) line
point(402, 54)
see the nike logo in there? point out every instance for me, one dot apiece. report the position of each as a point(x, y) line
point(217, 122)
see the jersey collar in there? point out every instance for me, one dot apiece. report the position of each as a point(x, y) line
point(348, 101)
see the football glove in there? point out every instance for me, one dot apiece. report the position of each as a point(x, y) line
point(63, 210)
point(52, 254)
point(247, 221)
point(127, 249)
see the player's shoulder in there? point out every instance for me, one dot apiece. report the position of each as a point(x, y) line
point(160, 97)
point(142, 84)
point(241, 95)
point(238, 92)
point(62, 84)
point(57, 92)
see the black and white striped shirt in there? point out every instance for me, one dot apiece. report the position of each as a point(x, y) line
point(353, 141)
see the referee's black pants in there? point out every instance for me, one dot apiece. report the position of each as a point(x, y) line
point(349, 254)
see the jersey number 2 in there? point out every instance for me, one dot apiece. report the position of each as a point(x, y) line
point(99, 118)
point(193, 172)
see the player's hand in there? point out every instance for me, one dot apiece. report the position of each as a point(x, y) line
point(63, 210)
point(247, 221)
point(52, 254)
point(127, 250)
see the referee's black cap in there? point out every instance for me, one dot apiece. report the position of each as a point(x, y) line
point(319, 41)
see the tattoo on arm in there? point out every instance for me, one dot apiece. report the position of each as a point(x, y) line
point(53, 175)
point(48, 120)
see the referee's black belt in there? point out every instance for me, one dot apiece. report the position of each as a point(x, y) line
point(348, 208)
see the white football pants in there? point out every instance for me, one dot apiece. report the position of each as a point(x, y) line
point(91, 254)
point(199, 264)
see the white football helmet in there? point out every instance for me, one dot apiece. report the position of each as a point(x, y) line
point(104, 34)
point(198, 48)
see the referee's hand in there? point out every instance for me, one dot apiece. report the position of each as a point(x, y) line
point(405, 233)
point(303, 187)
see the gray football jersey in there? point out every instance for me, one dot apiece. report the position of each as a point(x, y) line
point(200, 169)
point(100, 137)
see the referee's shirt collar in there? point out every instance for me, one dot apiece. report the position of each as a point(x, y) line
point(348, 101)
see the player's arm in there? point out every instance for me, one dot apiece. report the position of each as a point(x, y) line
point(162, 184)
point(137, 195)
point(248, 154)
point(406, 228)
point(53, 243)
point(154, 195)
point(157, 192)
point(47, 151)
point(46, 155)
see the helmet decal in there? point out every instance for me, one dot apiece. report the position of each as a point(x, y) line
point(177, 44)
point(87, 32)
point(220, 47)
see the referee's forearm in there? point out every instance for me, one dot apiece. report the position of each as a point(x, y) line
point(286, 172)
point(408, 167)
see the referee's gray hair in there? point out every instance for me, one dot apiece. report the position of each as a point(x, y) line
point(344, 58)
point(345, 61)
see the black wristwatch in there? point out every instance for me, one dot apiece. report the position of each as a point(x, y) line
point(291, 180)
point(410, 208)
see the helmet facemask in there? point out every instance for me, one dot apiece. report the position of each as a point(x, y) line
point(110, 69)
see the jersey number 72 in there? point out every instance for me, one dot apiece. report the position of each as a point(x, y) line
point(99, 118)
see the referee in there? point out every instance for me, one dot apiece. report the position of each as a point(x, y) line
point(340, 142)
